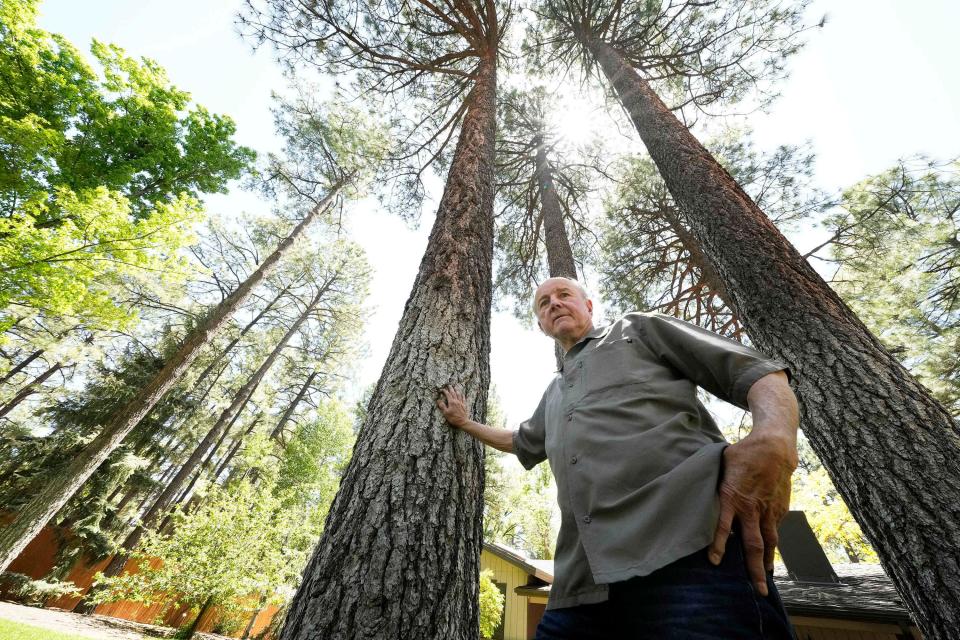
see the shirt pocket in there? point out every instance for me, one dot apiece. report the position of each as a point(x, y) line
point(614, 364)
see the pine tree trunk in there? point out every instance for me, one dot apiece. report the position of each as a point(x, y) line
point(253, 618)
point(277, 433)
point(190, 631)
point(33, 516)
point(227, 459)
point(892, 450)
point(560, 260)
point(559, 254)
point(29, 390)
point(399, 556)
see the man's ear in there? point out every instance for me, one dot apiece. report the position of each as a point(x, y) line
point(590, 306)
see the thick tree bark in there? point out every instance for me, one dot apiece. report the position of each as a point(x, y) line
point(399, 556)
point(45, 504)
point(892, 450)
point(29, 390)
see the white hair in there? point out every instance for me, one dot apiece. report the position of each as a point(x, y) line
point(575, 283)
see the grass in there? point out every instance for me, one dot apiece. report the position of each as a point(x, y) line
point(16, 631)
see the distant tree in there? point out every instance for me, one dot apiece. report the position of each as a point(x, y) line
point(101, 172)
point(104, 161)
point(543, 184)
point(893, 450)
point(650, 260)
point(894, 241)
point(231, 549)
point(399, 554)
point(344, 163)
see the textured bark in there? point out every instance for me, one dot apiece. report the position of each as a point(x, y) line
point(892, 450)
point(45, 504)
point(560, 262)
point(559, 254)
point(399, 556)
point(29, 390)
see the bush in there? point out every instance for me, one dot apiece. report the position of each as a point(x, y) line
point(36, 592)
point(491, 604)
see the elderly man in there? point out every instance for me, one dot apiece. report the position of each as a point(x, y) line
point(666, 530)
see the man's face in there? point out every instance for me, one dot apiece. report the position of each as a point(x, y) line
point(563, 312)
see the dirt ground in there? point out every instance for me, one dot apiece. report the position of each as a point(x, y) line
point(97, 627)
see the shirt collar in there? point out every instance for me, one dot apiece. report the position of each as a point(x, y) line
point(593, 334)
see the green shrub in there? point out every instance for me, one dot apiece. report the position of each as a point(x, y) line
point(36, 592)
point(491, 604)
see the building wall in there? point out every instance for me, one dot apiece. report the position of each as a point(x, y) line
point(515, 607)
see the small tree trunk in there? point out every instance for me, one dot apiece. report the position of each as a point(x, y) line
point(33, 516)
point(227, 459)
point(893, 451)
point(277, 433)
point(29, 390)
point(20, 367)
point(560, 260)
point(192, 629)
point(559, 254)
point(399, 556)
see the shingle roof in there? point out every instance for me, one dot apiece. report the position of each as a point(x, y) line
point(864, 593)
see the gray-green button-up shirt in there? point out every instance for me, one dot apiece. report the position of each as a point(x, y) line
point(635, 454)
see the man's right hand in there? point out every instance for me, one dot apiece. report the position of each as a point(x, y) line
point(453, 406)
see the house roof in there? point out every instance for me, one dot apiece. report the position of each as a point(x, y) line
point(540, 569)
point(864, 593)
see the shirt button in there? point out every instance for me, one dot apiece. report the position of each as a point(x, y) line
point(580, 364)
point(573, 460)
point(587, 519)
point(569, 417)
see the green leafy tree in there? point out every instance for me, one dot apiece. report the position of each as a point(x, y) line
point(491, 605)
point(66, 127)
point(235, 546)
point(102, 171)
point(332, 168)
point(895, 241)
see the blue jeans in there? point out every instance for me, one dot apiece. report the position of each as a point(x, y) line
point(689, 599)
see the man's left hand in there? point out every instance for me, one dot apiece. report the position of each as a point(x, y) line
point(755, 489)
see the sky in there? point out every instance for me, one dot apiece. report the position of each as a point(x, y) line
point(876, 83)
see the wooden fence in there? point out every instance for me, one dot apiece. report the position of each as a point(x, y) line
point(37, 561)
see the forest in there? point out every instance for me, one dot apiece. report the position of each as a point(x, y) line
point(179, 381)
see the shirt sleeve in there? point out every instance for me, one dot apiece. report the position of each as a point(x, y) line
point(529, 440)
point(724, 367)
